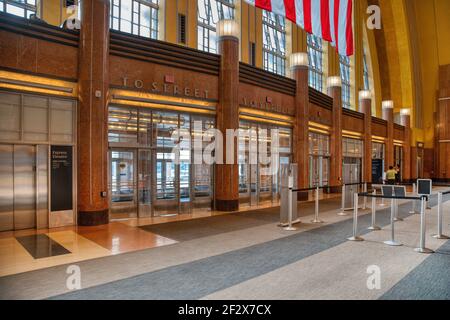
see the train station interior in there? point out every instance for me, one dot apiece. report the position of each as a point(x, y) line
point(224, 149)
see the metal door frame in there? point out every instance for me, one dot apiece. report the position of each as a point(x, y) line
point(135, 169)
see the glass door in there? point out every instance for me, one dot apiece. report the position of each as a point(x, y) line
point(166, 174)
point(265, 174)
point(202, 193)
point(144, 183)
point(122, 184)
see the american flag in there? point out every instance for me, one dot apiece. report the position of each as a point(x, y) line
point(330, 20)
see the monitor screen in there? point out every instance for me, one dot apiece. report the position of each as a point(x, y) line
point(400, 191)
point(387, 191)
point(424, 186)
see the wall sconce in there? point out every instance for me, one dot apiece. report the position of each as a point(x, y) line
point(227, 28)
point(299, 59)
point(365, 95)
point(387, 104)
point(334, 82)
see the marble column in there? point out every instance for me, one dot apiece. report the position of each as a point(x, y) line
point(299, 67)
point(365, 107)
point(93, 87)
point(388, 115)
point(334, 87)
point(227, 174)
point(405, 120)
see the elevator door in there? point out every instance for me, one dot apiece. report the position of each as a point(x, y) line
point(17, 187)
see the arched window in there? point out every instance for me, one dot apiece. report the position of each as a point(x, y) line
point(209, 13)
point(345, 67)
point(274, 43)
point(315, 53)
point(139, 17)
point(21, 8)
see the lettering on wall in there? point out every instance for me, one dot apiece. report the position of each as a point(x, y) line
point(169, 87)
point(267, 105)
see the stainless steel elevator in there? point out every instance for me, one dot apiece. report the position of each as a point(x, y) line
point(23, 186)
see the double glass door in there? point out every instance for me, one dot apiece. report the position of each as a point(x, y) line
point(259, 176)
point(146, 182)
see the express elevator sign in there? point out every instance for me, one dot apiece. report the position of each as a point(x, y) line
point(61, 178)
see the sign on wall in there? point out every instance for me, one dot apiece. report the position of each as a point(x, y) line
point(61, 162)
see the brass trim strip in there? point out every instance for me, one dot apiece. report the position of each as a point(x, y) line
point(36, 85)
point(257, 119)
point(161, 106)
point(265, 114)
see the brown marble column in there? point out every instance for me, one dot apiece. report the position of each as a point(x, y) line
point(334, 86)
point(365, 106)
point(299, 67)
point(388, 115)
point(405, 119)
point(227, 175)
point(93, 87)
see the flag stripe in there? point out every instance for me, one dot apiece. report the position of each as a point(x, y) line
point(333, 35)
point(264, 4)
point(316, 18)
point(278, 7)
point(325, 20)
point(342, 45)
point(349, 31)
point(307, 14)
point(337, 4)
point(299, 14)
point(289, 6)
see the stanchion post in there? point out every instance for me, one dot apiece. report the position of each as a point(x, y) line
point(343, 213)
point(413, 210)
point(396, 218)
point(382, 199)
point(374, 226)
point(290, 227)
point(439, 235)
point(392, 242)
point(365, 198)
point(422, 248)
point(316, 209)
point(355, 236)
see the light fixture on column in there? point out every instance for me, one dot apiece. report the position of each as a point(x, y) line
point(334, 82)
point(227, 28)
point(405, 111)
point(387, 104)
point(299, 59)
point(365, 95)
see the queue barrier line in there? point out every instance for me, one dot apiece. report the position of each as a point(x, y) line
point(392, 242)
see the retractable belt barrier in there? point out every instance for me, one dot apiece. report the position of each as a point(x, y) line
point(316, 201)
point(392, 242)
